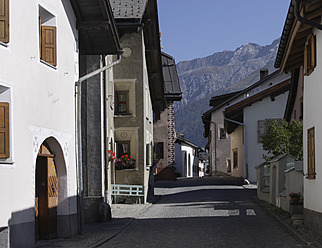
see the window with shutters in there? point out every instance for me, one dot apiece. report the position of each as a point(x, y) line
point(4, 130)
point(310, 55)
point(311, 153)
point(47, 37)
point(4, 21)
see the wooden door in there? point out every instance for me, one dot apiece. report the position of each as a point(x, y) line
point(46, 196)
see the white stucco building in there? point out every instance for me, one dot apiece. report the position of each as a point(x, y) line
point(300, 49)
point(186, 157)
point(220, 142)
point(246, 120)
point(39, 67)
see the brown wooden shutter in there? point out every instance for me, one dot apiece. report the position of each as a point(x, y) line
point(313, 52)
point(4, 21)
point(311, 153)
point(48, 44)
point(4, 130)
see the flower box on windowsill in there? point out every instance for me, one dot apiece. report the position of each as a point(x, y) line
point(126, 162)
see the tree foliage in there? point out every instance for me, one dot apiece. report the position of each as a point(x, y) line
point(282, 137)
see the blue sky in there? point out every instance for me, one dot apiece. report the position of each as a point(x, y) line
point(194, 29)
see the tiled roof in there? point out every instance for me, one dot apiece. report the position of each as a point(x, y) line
point(170, 77)
point(128, 9)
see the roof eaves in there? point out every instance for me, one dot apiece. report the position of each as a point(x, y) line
point(248, 88)
point(275, 89)
point(285, 35)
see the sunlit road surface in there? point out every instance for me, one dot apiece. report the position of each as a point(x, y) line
point(204, 212)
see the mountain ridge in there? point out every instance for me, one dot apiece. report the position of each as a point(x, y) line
point(216, 74)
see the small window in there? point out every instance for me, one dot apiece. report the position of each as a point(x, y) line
point(4, 21)
point(47, 37)
point(311, 153)
point(122, 148)
point(262, 128)
point(4, 130)
point(222, 133)
point(310, 55)
point(122, 98)
point(267, 175)
point(160, 150)
point(235, 157)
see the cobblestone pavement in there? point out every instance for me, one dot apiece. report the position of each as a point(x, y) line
point(205, 212)
point(195, 212)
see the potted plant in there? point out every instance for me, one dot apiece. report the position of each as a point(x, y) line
point(111, 156)
point(295, 197)
point(125, 162)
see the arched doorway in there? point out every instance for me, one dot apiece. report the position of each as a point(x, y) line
point(46, 194)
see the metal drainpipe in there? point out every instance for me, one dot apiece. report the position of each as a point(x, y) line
point(302, 19)
point(78, 137)
point(245, 146)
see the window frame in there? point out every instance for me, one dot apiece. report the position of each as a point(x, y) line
point(117, 103)
point(47, 37)
point(310, 55)
point(5, 130)
point(118, 143)
point(235, 158)
point(311, 173)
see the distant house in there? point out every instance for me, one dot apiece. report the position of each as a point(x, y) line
point(164, 132)
point(186, 157)
point(300, 53)
point(219, 141)
point(246, 121)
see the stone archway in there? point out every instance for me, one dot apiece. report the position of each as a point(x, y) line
point(51, 183)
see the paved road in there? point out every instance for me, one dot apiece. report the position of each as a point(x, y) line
point(204, 212)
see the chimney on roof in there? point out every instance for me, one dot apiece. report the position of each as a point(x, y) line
point(263, 73)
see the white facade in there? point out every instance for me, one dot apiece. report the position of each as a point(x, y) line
point(42, 108)
point(246, 149)
point(185, 159)
point(261, 110)
point(313, 118)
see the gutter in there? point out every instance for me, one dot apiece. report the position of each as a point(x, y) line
point(302, 19)
point(78, 137)
point(245, 146)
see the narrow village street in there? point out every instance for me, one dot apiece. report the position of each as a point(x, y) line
point(204, 212)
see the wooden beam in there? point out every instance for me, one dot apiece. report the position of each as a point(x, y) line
point(97, 25)
point(104, 8)
point(313, 14)
point(293, 66)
